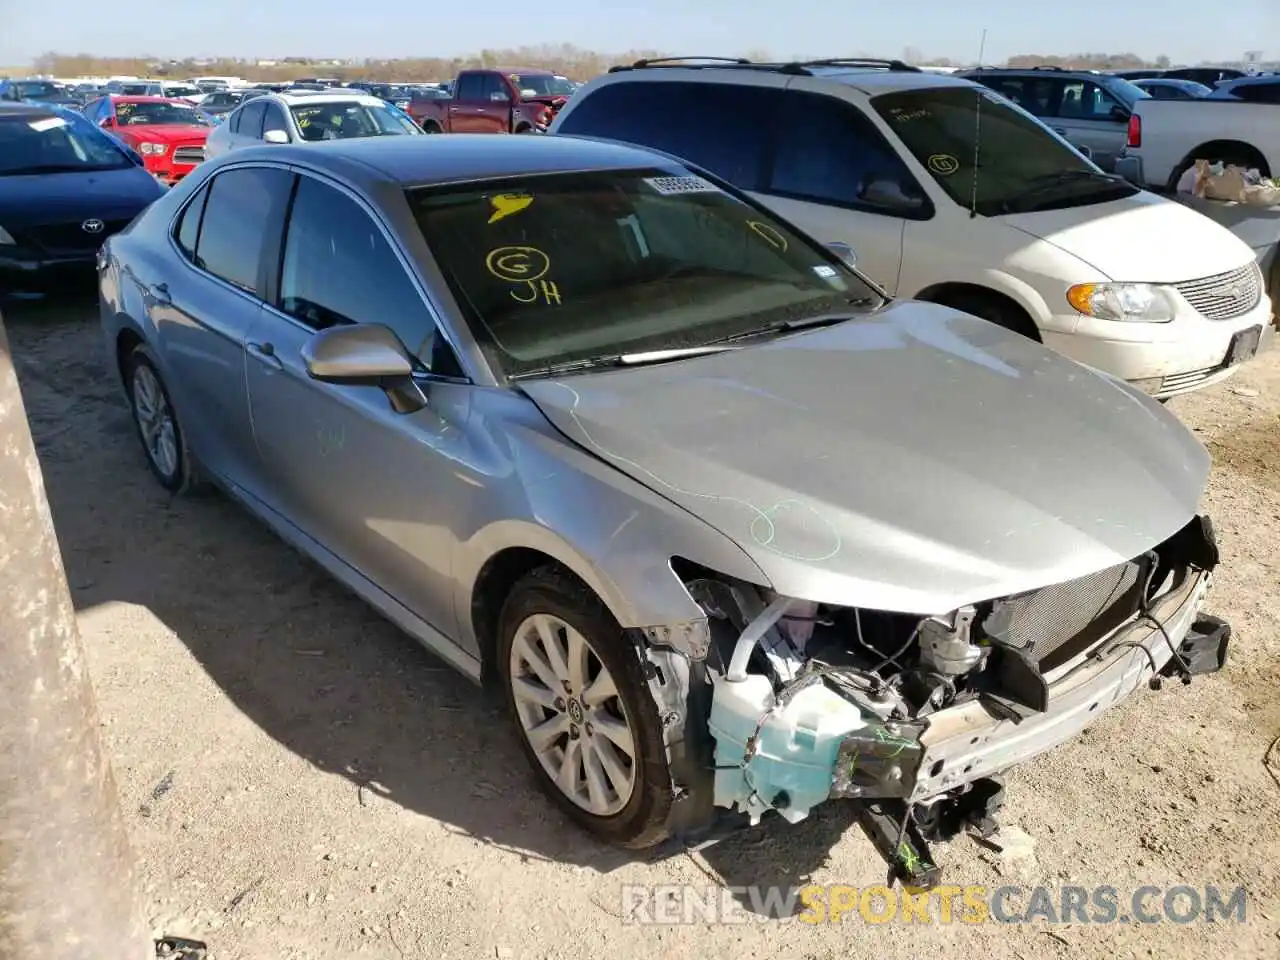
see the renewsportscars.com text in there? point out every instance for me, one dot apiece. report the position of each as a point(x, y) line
point(839, 903)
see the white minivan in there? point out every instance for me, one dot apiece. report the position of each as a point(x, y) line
point(947, 191)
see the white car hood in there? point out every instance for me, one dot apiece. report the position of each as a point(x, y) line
point(1139, 239)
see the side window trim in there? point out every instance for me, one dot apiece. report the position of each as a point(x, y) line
point(274, 260)
point(926, 212)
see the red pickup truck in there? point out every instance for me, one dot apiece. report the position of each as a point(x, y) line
point(494, 101)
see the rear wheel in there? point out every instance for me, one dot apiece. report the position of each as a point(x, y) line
point(582, 709)
point(429, 127)
point(156, 420)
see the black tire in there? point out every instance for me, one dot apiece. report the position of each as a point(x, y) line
point(429, 127)
point(641, 822)
point(524, 129)
point(184, 477)
point(994, 309)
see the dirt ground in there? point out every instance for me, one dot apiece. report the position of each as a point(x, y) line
point(303, 781)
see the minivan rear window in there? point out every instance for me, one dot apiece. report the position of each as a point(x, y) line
point(1001, 160)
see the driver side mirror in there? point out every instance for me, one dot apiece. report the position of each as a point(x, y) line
point(105, 122)
point(275, 136)
point(365, 355)
point(844, 252)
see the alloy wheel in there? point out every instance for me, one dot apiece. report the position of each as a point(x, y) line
point(155, 420)
point(571, 715)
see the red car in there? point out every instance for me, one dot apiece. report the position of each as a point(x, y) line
point(169, 134)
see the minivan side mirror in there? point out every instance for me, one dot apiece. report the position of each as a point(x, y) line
point(365, 355)
point(275, 136)
point(844, 252)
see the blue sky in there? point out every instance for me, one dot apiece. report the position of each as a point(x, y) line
point(1182, 29)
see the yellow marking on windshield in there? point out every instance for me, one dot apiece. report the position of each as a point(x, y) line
point(506, 204)
point(943, 164)
point(517, 264)
point(548, 290)
point(768, 234)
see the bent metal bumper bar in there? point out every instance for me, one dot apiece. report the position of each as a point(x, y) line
point(966, 743)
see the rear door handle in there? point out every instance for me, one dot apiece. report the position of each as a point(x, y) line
point(266, 354)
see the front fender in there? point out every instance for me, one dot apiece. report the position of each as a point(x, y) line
point(615, 534)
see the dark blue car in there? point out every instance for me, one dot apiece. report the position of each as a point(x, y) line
point(65, 186)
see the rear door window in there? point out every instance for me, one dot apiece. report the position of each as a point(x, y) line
point(251, 120)
point(470, 87)
point(242, 205)
point(721, 127)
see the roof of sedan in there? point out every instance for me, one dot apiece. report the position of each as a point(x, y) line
point(425, 160)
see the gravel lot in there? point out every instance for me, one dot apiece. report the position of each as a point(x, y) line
point(302, 781)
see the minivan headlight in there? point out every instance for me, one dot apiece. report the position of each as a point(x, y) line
point(1138, 302)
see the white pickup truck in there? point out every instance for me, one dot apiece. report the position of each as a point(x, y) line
point(1168, 136)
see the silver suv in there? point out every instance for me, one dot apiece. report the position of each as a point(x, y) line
point(1088, 108)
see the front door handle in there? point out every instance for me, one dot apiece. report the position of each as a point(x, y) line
point(160, 293)
point(266, 354)
point(1060, 131)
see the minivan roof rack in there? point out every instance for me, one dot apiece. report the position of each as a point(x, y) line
point(896, 66)
point(802, 67)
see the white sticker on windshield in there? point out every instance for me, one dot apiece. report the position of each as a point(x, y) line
point(673, 185)
point(823, 270)
point(48, 123)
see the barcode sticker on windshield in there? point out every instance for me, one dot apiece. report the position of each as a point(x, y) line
point(48, 123)
point(673, 185)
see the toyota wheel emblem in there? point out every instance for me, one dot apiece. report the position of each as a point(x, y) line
point(92, 226)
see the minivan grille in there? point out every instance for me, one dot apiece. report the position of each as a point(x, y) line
point(1224, 296)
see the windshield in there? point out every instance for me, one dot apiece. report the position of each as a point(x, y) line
point(1021, 165)
point(180, 90)
point(135, 113)
point(48, 144)
point(344, 121)
point(542, 84)
point(566, 268)
point(33, 91)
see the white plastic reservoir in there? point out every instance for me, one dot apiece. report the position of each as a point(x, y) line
point(792, 767)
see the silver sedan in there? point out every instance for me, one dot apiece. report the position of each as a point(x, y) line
point(730, 531)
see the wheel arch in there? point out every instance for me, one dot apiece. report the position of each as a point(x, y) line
point(1206, 150)
point(1014, 295)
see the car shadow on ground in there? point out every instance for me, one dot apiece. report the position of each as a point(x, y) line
point(313, 666)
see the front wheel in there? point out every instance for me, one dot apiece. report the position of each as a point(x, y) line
point(582, 710)
point(429, 127)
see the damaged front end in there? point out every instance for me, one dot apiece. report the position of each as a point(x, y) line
point(788, 703)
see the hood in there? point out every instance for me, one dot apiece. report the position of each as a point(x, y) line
point(73, 197)
point(1138, 239)
point(914, 461)
point(164, 132)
